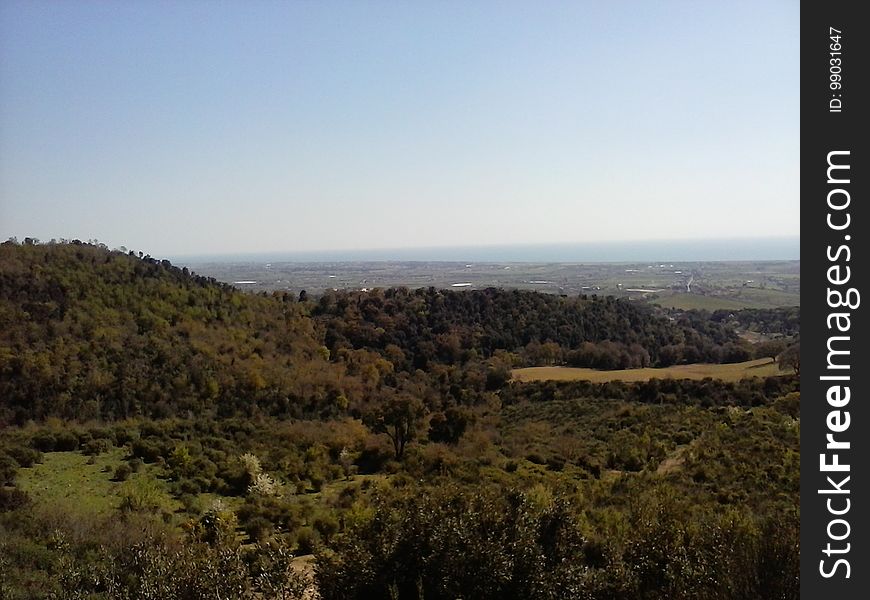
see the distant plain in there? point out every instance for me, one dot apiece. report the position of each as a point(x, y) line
point(728, 285)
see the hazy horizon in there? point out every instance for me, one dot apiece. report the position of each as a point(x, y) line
point(785, 248)
point(188, 128)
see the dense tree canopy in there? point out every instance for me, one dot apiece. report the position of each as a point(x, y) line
point(86, 332)
point(431, 325)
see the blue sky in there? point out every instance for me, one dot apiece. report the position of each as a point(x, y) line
point(221, 127)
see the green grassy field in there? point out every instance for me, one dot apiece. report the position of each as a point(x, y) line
point(734, 299)
point(66, 479)
point(684, 301)
point(763, 367)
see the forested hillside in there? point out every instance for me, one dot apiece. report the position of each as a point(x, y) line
point(451, 327)
point(93, 333)
point(781, 321)
point(89, 333)
point(165, 436)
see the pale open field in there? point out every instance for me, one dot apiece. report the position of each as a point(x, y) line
point(763, 367)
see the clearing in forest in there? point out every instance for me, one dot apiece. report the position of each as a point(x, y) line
point(762, 367)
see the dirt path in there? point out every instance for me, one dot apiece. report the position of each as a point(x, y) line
point(674, 461)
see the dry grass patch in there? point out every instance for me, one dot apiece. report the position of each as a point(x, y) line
point(762, 367)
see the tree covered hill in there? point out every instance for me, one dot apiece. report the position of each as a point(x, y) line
point(90, 333)
point(425, 325)
point(86, 332)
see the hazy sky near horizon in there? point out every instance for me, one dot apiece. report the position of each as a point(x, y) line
point(221, 127)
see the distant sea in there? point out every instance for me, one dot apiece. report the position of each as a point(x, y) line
point(736, 249)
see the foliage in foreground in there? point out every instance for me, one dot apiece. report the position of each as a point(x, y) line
point(421, 542)
point(120, 559)
point(461, 544)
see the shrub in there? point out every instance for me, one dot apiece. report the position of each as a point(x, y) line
point(12, 499)
point(264, 485)
point(101, 433)
point(122, 472)
point(534, 457)
point(24, 456)
point(66, 441)
point(148, 451)
point(218, 524)
point(306, 541)
point(449, 426)
point(326, 525)
point(96, 446)
point(8, 469)
point(347, 496)
point(142, 495)
point(373, 458)
point(258, 528)
point(188, 486)
point(44, 441)
point(123, 435)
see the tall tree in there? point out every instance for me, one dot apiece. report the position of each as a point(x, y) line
point(791, 358)
point(398, 416)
